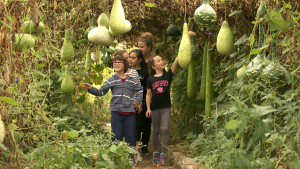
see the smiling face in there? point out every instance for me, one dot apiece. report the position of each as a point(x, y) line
point(159, 63)
point(118, 66)
point(144, 48)
point(134, 60)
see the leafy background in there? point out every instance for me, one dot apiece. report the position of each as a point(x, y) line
point(252, 125)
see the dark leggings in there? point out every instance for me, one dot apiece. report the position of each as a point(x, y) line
point(160, 115)
point(143, 128)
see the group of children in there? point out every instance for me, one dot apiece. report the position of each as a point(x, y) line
point(140, 90)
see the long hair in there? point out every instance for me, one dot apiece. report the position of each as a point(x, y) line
point(123, 59)
point(140, 56)
point(148, 38)
point(151, 71)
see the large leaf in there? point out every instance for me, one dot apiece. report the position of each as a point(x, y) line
point(263, 110)
point(9, 100)
point(73, 133)
point(242, 40)
point(276, 21)
point(233, 124)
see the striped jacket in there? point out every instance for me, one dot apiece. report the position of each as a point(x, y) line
point(122, 93)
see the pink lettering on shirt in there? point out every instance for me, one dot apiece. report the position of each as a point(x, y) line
point(159, 84)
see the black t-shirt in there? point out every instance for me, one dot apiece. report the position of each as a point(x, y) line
point(143, 74)
point(160, 88)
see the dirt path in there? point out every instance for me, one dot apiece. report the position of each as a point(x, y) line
point(147, 163)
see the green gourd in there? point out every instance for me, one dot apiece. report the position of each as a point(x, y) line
point(117, 18)
point(28, 27)
point(241, 72)
point(88, 60)
point(203, 76)
point(205, 15)
point(100, 35)
point(274, 74)
point(103, 20)
point(225, 40)
point(67, 84)
point(23, 41)
point(173, 29)
point(94, 25)
point(191, 80)
point(185, 49)
point(208, 93)
point(67, 50)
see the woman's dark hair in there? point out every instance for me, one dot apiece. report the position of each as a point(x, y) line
point(123, 59)
point(151, 71)
point(148, 38)
point(140, 56)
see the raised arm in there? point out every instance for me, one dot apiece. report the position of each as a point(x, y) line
point(175, 64)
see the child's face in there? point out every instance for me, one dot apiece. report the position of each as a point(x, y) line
point(144, 48)
point(118, 66)
point(133, 59)
point(126, 55)
point(159, 63)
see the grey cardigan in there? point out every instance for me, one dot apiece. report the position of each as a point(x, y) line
point(122, 93)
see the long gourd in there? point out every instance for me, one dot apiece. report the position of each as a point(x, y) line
point(191, 80)
point(208, 94)
point(185, 49)
point(203, 77)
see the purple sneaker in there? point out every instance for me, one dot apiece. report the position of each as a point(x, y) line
point(156, 157)
point(162, 159)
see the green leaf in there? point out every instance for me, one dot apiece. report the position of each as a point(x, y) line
point(73, 133)
point(242, 40)
point(3, 23)
point(2, 146)
point(233, 124)
point(251, 39)
point(263, 110)
point(276, 21)
point(149, 4)
point(40, 65)
point(9, 101)
point(98, 68)
point(297, 33)
point(12, 126)
point(254, 51)
point(81, 99)
point(235, 12)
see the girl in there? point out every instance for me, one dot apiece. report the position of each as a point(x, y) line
point(145, 44)
point(159, 103)
point(122, 103)
point(143, 124)
point(130, 72)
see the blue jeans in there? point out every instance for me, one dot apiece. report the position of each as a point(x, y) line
point(123, 125)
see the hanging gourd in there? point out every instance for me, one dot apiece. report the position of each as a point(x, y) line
point(97, 56)
point(203, 74)
point(225, 40)
point(241, 71)
point(94, 25)
point(100, 35)
point(28, 27)
point(67, 85)
point(173, 29)
point(208, 86)
point(88, 60)
point(67, 50)
point(2, 130)
point(205, 15)
point(185, 49)
point(23, 41)
point(103, 20)
point(191, 79)
point(274, 74)
point(117, 18)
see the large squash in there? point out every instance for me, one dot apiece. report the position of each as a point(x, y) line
point(205, 15)
point(185, 49)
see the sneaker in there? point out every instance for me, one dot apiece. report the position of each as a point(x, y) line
point(162, 158)
point(156, 157)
